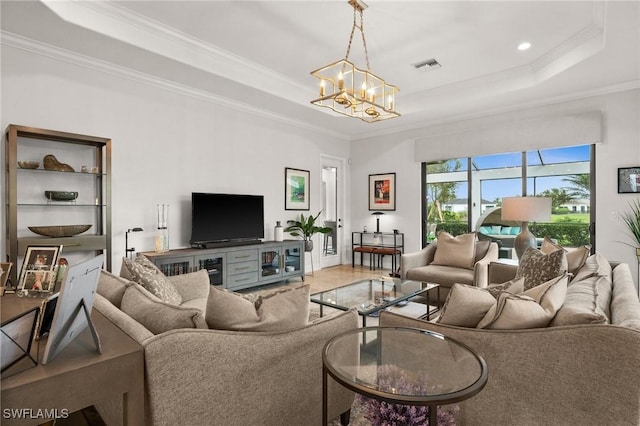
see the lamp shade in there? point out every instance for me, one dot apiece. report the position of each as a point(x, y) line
point(526, 209)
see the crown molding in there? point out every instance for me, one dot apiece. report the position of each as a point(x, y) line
point(548, 101)
point(44, 49)
point(108, 18)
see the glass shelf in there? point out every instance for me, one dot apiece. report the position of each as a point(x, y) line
point(59, 171)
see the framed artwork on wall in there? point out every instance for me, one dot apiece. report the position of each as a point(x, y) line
point(382, 191)
point(296, 189)
point(38, 274)
point(629, 180)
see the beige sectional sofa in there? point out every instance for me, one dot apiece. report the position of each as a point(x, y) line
point(586, 372)
point(200, 376)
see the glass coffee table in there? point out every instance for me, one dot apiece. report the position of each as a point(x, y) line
point(405, 366)
point(373, 295)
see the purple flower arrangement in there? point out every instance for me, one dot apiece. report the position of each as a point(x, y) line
point(381, 413)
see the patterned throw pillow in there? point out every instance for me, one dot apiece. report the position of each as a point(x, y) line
point(514, 286)
point(537, 267)
point(151, 278)
point(575, 257)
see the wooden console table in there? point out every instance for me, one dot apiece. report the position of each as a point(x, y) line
point(377, 245)
point(77, 377)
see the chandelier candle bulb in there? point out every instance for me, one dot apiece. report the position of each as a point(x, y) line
point(321, 88)
point(340, 81)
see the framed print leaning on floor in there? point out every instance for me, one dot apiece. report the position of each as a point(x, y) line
point(382, 191)
point(38, 274)
point(296, 189)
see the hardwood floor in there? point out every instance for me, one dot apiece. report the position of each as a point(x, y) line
point(328, 278)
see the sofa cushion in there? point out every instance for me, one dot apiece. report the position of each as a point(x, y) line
point(458, 251)
point(278, 311)
point(587, 302)
point(534, 308)
point(112, 287)
point(465, 306)
point(537, 267)
point(156, 315)
point(595, 264)
point(145, 273)
point(575, 257)
point(444, 275)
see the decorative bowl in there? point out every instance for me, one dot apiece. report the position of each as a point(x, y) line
point(61, 195)
point(59, 230)
point(28, 164)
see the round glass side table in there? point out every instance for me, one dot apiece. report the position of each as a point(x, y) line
point(403, 366)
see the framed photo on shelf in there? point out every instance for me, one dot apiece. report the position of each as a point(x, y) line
point(629, 180)
point(296, 189)
point(5, 268)
point(38, 274)
point(382, 191)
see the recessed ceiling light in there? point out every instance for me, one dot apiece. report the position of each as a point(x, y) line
point(524, 45)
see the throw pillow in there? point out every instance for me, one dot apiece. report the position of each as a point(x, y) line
point(280, 311)
point(465, 306)
point(506, 230)
point(549, 246)
point(515, 230)
point(536, 267)
point(575, 257)
point(456, 251)
point(595, 265)
point(147, 275)
point(533, 308)
point(112, 287)
point(586, 302)
point(514, 286)
point(156, 315)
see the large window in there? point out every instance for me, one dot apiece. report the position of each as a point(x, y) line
point(462, 194)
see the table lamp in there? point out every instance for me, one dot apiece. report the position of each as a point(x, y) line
point(525, 210)
point(377, 215)
point(128, 250)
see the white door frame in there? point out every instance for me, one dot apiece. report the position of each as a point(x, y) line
point(340, 165)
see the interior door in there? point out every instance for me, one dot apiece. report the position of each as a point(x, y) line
point(332, 210)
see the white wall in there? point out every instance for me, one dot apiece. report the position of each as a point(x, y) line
point(620, 147)
point(165, 144)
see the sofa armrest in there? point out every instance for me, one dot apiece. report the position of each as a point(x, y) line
point(534, 374)
point(481, 267)
point(198, 376)
point(498, 272)
point(124, 322)
point(416, 259)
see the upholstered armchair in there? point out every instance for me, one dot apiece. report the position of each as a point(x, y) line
point(450, 260)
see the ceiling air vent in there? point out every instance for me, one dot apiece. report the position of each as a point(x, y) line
point(426, 65)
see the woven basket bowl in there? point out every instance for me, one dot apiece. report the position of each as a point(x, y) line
point(60, 230)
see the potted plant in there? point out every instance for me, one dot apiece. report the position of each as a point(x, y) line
point(632, 219)
point(305, 227)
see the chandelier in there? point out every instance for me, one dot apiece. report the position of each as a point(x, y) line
point(354, 92)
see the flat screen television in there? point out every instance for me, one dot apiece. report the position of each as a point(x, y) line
point(219, 219)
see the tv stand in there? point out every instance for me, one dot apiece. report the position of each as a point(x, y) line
point(231, 243)
point(237, 266)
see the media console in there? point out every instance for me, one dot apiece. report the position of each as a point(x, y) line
point(237, 267)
